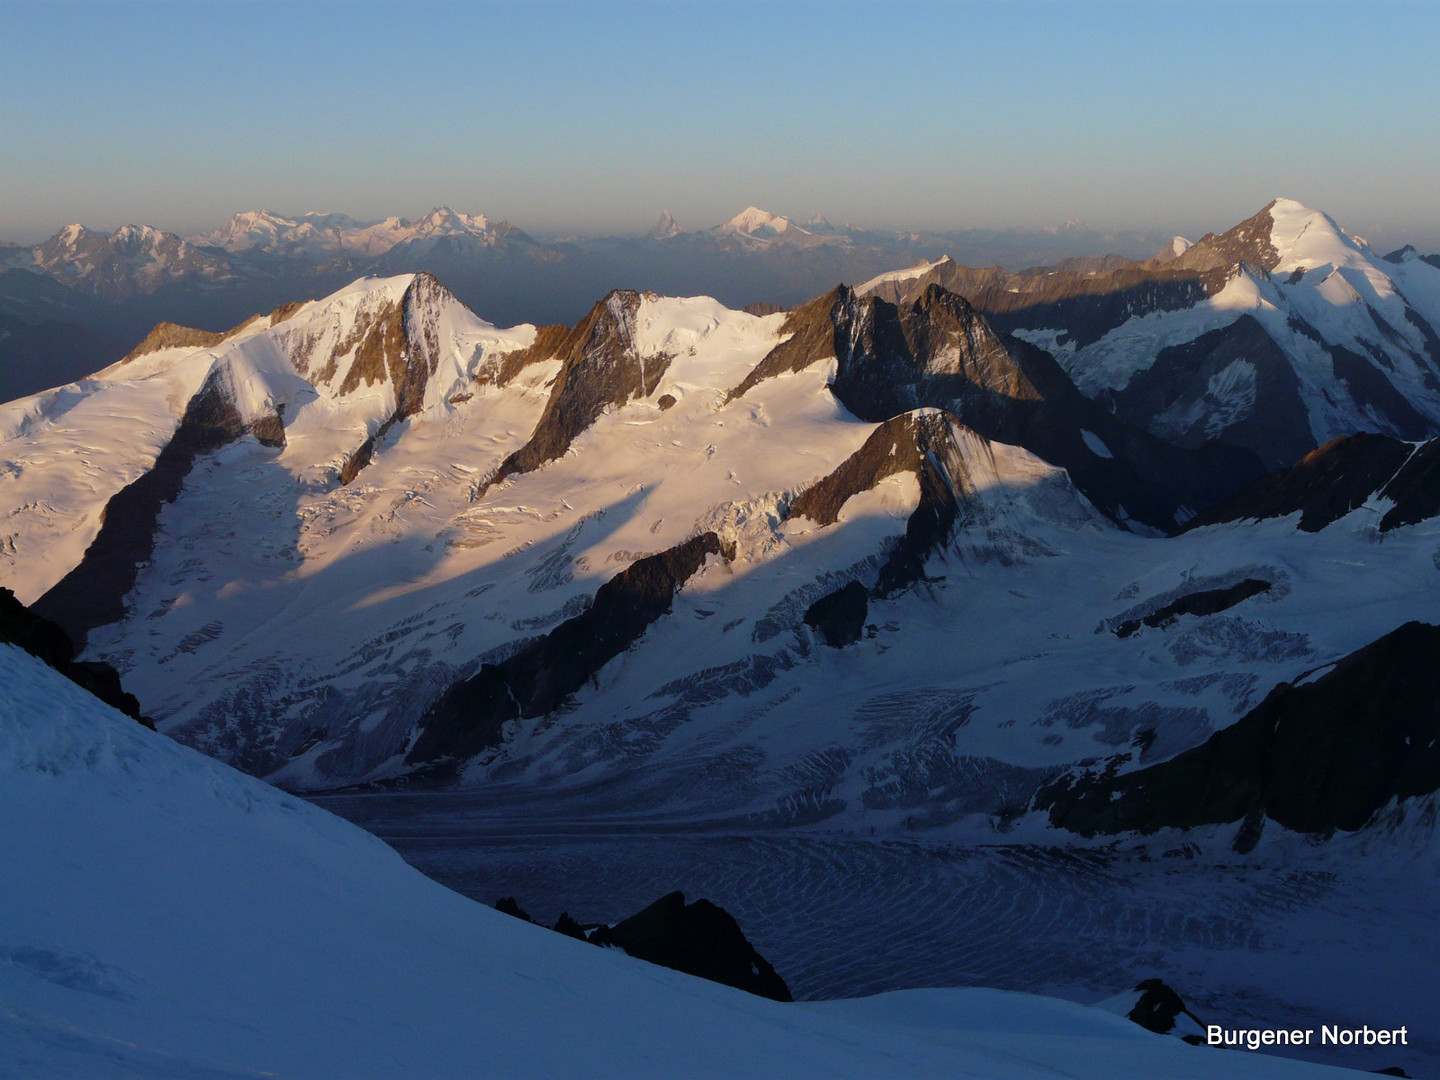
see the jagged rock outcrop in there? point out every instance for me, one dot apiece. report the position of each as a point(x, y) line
point(939, 351)
point(601, 369)
point(47, 641)
point(1201, 603)
point(471, 715)
point(1319, 755)
point(700, 939)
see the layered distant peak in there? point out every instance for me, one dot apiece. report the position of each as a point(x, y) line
point(665, 227)
point(316, 236)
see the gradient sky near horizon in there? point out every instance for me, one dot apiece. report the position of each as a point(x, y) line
point(593, 117)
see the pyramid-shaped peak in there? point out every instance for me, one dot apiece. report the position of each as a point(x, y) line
point(665, 226)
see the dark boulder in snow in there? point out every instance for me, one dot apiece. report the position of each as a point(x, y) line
point(1161, 1010)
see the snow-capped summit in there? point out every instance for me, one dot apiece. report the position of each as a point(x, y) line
point(443, 220)
point(317, 236)
point(752, 221)
point(133, 260)
point(1276, 335)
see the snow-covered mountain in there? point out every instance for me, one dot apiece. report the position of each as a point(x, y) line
point(167, 917)
point(856, 561)
point(759, 229)
point(131, 261)
point(1276, 335)
point(317, 236)
point(297, 538)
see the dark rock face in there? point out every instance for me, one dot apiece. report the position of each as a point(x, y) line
point(1373, 391)
point(93, 593)
point(1415, 489)
point(1275, 426)
point(398, 343)
point(1248, 242)
point(699, 939)
point(938, 351)
point(1329, 482)
point(1207, 602)
point(1315, 757)
point(811, 328)
point(900, 444)
point(1087, 301)
point(839, 617)
point(46, 641)
point(601, 368)
point(470, 716)
point(922, 443)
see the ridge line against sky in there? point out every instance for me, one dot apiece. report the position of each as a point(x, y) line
point(591, 118)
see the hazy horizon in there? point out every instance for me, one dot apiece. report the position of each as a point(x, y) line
point(590, 119)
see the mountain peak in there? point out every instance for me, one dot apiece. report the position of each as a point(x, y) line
point(1305, 237)
point(442, 219)
point(752, 220)
point(665, 226)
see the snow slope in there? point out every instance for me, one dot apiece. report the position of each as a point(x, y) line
point(164, 916)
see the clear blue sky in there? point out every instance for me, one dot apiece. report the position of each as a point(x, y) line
point(593, 117)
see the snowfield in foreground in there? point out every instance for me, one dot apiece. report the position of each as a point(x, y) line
point(162, 915)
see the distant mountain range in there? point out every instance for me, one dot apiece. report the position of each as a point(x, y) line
point(117, 286)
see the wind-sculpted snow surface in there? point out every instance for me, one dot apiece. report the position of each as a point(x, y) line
point(167, 917)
